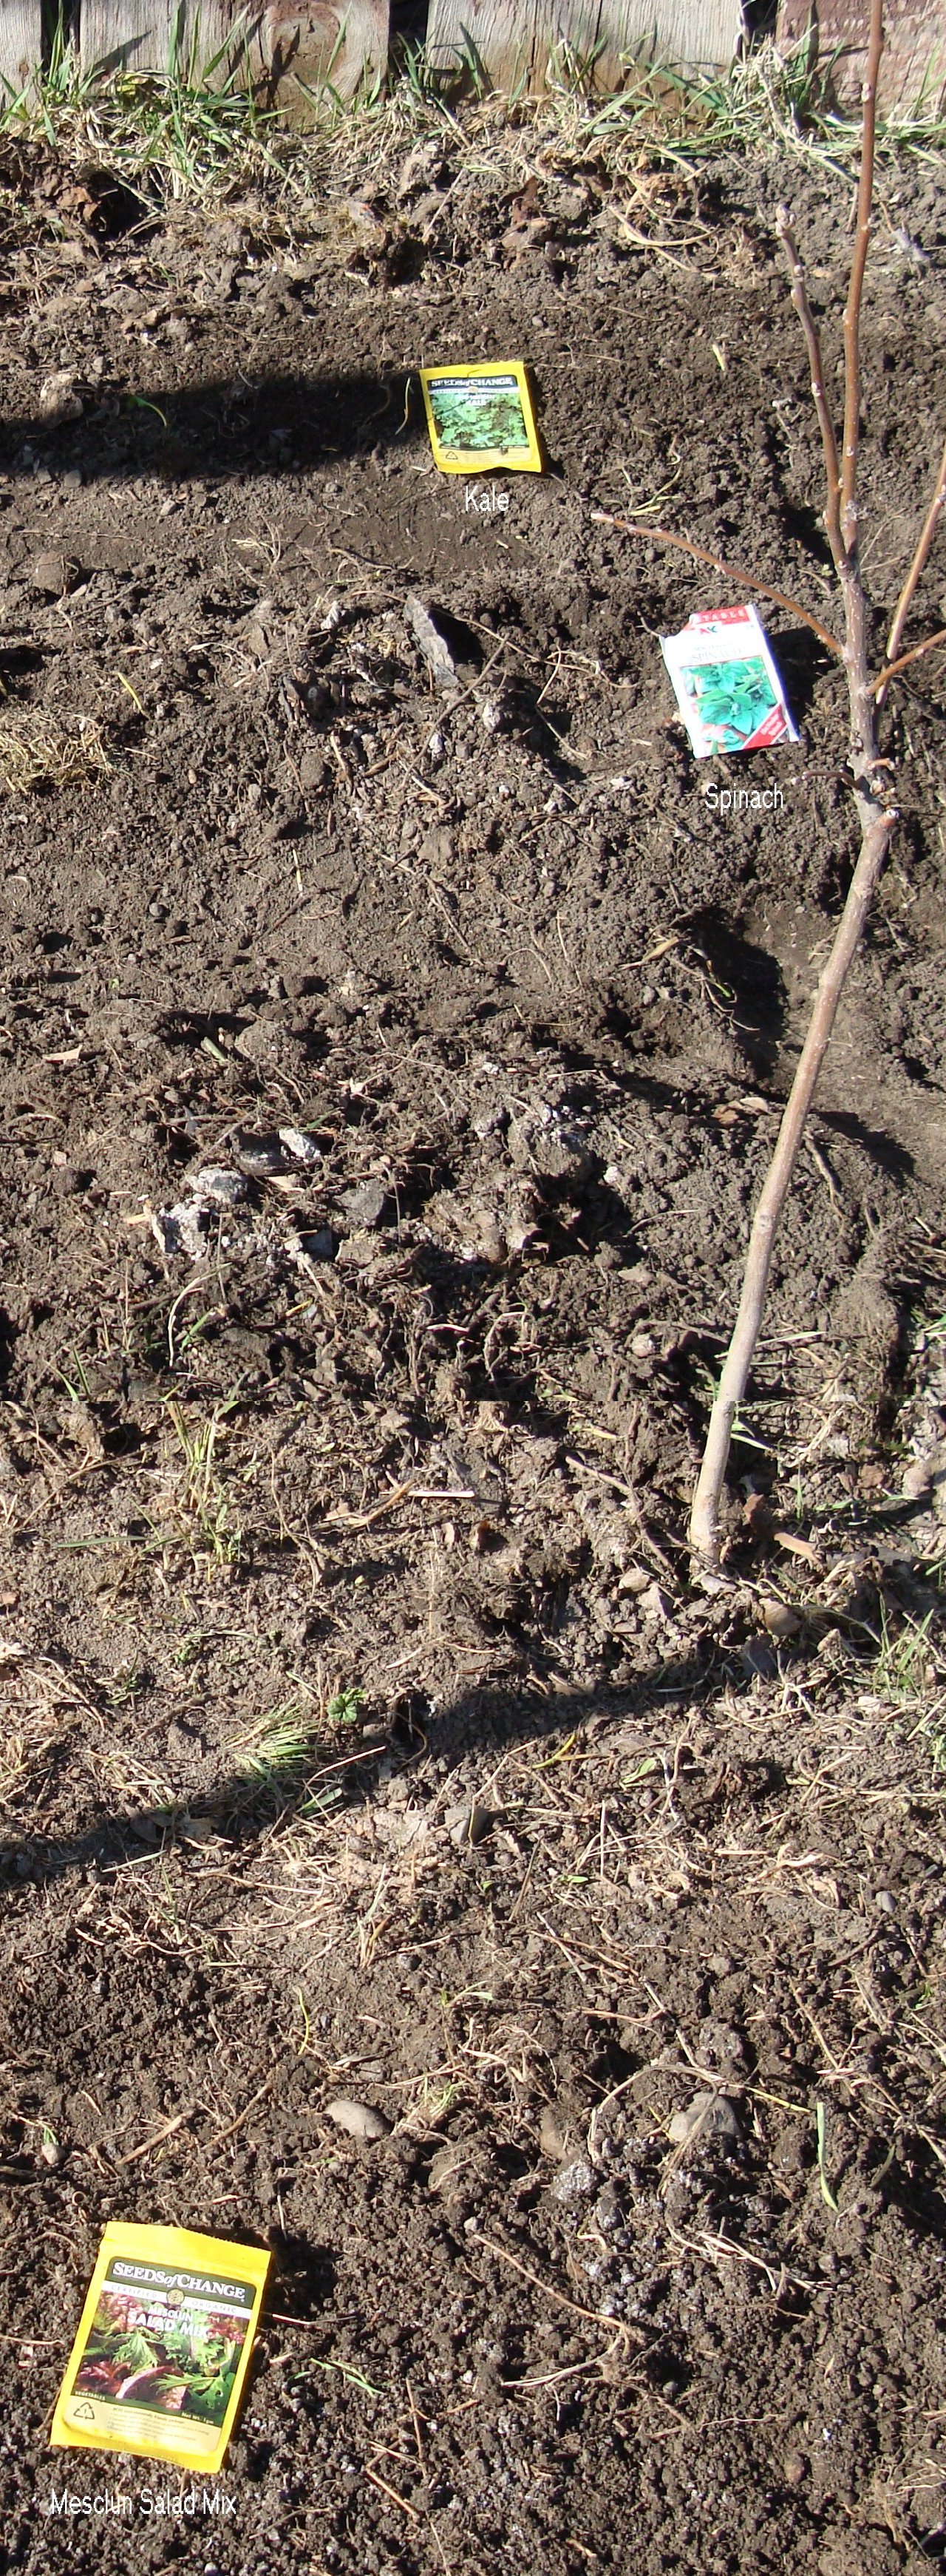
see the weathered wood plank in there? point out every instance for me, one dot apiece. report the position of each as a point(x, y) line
point(694, 34)
point(20, 42)
point(913, 64)
point(130, 35)
point(211, 33)
point(303, 46)
point(137, 35)
point(513, 39)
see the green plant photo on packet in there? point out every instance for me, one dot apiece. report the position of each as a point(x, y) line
point(163, 2346)
point(481, 418)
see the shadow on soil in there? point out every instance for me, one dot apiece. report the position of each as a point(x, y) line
point(242, 1809)
point(221, 428)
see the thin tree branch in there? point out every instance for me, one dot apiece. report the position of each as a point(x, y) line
point(704, 1534)
point(852, 315)
point(832, 462)
point(918, 566)
point(730, 572)
point(876, 816)
point(891, 669)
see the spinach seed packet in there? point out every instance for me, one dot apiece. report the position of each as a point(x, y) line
point(725, 683)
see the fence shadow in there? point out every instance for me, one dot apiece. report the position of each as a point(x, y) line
point(222, 427)
point(488, 1721)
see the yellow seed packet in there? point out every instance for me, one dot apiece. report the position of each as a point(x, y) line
point(481, 418)
point(163, 2346)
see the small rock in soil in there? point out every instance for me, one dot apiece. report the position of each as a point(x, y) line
point(360, 2120)
point(226, 1189)
point(709, 2116)
point(260, 1155)
point(319, 1246)
point(438, 849)
point(299, 1145)
point(917, 1480)
point(58, 399)
point(469, 1824)
point(182, 1229)
point(365, 1204)
point(575, 2181)
point(780, 1620)
point(436, 655)
point(722, 2047)
point(51, 573)
point(553, 2133)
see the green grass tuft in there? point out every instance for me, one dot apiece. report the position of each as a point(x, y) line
point(278, 1750)
point(199, 131)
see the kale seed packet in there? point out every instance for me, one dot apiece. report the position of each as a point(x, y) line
point(163, 2346)
point(725, 683)
point(481, 418)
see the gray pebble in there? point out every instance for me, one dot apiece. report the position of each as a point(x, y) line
point(299, 1145)
point(226, 1189)
point(51, 573)
point(575, 2181)
point(360, 2120)
point(365, 1204)
point(780, 1619)
point(58, 399)
point(916, 1480)
point(708, 2117)
point(553, 2133)
point(469, 1824)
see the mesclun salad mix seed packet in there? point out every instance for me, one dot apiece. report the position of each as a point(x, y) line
point(481, 418)
point(163, 2346)
point(725, 683)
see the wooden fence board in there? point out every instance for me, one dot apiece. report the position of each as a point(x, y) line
point(913, 63)
point(695, 34)
point(513, 39)
point(297, 49)
point(136, 35)
point(133, 35)
point(20, 41)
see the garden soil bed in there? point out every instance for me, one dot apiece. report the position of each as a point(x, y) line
point(478, 1011)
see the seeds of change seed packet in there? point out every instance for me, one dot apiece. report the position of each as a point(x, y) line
point(163, 2346)
point(481, 418)
point(725, 683)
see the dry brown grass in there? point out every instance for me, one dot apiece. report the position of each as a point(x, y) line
point(37, 753)
point(44, 1708)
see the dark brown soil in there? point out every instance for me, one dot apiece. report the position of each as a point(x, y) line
point(418, 1416)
